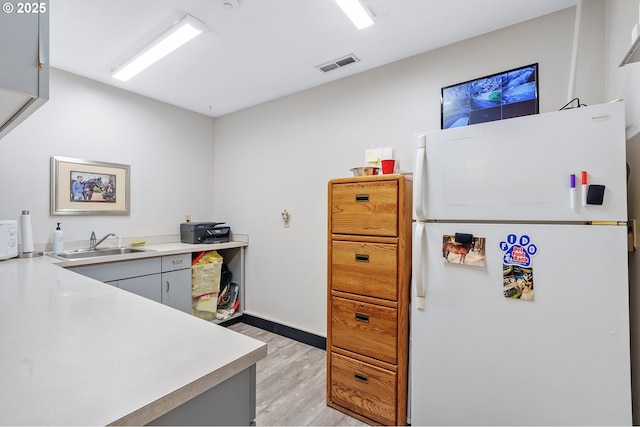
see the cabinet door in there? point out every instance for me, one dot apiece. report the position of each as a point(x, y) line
point(146, 286)
point(19, 48)
point(24, 68)
point(176, 289)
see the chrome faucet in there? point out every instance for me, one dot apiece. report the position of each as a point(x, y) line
point(93, 244)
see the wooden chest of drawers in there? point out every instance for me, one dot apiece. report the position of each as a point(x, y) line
point(369, 268)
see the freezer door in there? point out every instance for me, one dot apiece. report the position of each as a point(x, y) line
point(559, 356)
point(520, 169)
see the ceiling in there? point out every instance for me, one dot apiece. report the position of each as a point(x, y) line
point(259, 50)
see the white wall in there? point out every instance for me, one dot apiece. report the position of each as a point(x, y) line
point(169, 150)
point(624, 82)
point(280, 155)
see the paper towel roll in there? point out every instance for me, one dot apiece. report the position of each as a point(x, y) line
point(26, 232)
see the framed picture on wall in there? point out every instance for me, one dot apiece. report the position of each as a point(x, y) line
point(83, 187)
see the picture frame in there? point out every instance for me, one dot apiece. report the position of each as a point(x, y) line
point(85, 187)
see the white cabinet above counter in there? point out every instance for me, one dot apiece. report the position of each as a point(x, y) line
point(80, 352)
point(24, 64)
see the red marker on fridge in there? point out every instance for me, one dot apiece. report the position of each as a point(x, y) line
point(584, 188)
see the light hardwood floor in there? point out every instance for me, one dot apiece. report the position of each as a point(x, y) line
point(291, 383)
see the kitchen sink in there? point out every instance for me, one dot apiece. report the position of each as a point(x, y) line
point(93, 253)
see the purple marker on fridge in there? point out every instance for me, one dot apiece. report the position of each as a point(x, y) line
point(572, 192)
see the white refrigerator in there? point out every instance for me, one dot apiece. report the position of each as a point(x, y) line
point(520, 307)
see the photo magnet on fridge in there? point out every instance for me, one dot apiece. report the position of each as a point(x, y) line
point(517, 272)
point(464, 249)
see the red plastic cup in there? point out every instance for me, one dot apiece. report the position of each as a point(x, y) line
point(388, 166)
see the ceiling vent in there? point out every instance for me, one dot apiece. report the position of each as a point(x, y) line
point(338, 63)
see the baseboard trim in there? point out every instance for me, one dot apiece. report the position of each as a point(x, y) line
point(286, 331)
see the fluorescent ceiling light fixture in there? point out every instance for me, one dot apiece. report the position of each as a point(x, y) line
point(358, 12)
point(181, 32)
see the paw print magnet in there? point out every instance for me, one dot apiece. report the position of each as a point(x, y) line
point(517, 270)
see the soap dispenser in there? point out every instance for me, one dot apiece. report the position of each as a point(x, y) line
point(58, 240)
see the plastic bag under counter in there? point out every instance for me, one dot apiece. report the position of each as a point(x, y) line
point(205, 285)
point(205, 274)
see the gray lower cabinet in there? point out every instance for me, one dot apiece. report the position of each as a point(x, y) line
point(145, 286)
point(165, 279)
point(112, 272)
point(176, 282)
point(230, 403)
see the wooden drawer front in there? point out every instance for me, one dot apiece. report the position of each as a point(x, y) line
point(367, 208)
point(365, 269)
point(367, 329)
point(364, 389)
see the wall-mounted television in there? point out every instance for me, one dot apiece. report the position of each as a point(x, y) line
point(504, 95)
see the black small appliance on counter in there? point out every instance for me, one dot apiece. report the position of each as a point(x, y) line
point(204, 232)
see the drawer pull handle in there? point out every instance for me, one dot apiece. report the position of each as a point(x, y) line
point(361, 317)
point(361, 377)
point(362, 197)
point(177, 261)
point(362, 258)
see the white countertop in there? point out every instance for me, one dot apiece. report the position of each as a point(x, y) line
point(75, 351)
point(150, 251)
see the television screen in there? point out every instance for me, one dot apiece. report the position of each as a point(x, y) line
point(499, 96)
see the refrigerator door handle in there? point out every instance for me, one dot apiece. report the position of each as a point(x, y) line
point(418, 277)
point(419, 178)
